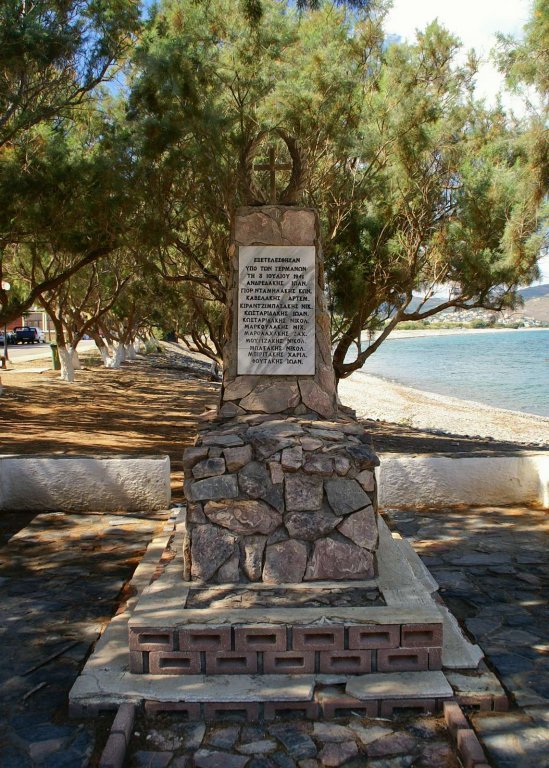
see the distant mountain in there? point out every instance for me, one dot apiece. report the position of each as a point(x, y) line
point(535, 291)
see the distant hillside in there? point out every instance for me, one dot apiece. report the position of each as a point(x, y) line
point(534, 291)
point(535, 297)
point(536, 302)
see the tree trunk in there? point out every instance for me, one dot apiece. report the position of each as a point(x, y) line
point(130, 351)
point(67, 363)
point(116, 360)
point(76, 360)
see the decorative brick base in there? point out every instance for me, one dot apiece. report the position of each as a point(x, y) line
point(348, 649)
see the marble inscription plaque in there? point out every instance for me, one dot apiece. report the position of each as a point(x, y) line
point(276, 310)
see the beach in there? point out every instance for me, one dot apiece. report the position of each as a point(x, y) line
point(379, 399)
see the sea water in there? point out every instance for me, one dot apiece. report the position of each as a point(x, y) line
point(504, 369)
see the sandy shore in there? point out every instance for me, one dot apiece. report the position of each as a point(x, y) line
point(376, 398)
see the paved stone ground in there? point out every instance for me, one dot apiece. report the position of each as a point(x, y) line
point(492, 565)
point(62, 577)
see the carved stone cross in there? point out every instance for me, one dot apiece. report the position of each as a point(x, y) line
point(272, 166)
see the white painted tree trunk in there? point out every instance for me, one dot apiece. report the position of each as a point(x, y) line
point(104, 352)
point(76, 360)
point(116, 360)
point(131, 354)
point(67, 363)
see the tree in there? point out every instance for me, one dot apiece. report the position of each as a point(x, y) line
point(53, 56)
point(417, 183)
point(54, 53)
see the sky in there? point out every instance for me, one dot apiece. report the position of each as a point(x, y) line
point(475, 22)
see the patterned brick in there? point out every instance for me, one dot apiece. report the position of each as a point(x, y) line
point(151, 640)
point(205, 639)
point(346, 662)
point(469, 748)
point(402, 659)
point(500, 703)
point(338, 704)
point(308, 709)
point(137, 662)
point(421, 635)
point(230, 710)
point(382, 636)
point(231, 663)
point(389, 707)
point(435, 658)
point(260, 638)
point(191, 709)
point(174, 663)
point(318, 638)
point(289, 663)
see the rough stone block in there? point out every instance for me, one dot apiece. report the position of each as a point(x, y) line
point(310, 525)
point(214, 488)
point(421, 635)
point(244, 516)
point(292, 458)
point(236, 458)
point(345, 495)
point(346, 662)
point(253, 547)
point(285, 562)
point(361, 528)
point(209, 638)
point(254, 479)
point(193, 455)
point(402, 659)
point(303, 492)
point(271, 398)
point(335, 560)
point(210, 548)
point(318, 464)
point(317, 399)
point(267, 637)
point(375, 636)
point(208, 468)
point(289, 663)
point(276, 472)
point(175, 663)
point(231, 663)
point(367, 480)
point(318, 638)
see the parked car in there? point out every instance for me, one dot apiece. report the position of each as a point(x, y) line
point(28, 334)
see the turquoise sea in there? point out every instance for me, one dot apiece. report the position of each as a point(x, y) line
point(504, 369)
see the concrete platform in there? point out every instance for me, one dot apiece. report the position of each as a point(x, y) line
point(404, 585)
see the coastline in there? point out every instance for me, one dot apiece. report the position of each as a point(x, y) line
point(378, 399)
point(421, 332)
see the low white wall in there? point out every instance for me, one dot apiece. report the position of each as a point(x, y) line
point(83, 483)
point(438, 481)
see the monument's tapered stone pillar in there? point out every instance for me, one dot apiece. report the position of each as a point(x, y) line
point(277, 358)
point(280, 487)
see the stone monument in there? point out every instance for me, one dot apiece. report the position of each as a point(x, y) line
point(280, 488)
